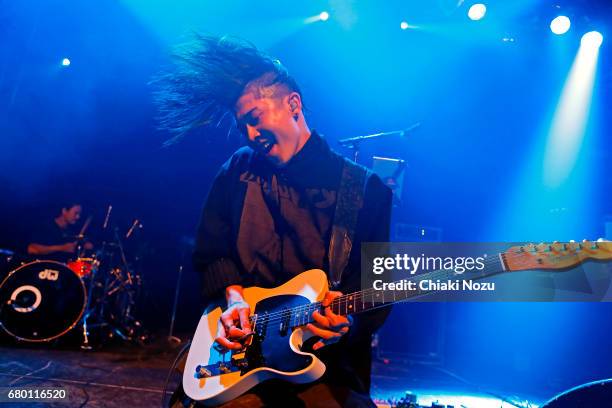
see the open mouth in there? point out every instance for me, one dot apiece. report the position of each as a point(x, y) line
point(264, 144)
point(267, 146)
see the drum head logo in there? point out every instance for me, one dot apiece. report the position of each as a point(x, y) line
point(20, 306)
point(48, 274)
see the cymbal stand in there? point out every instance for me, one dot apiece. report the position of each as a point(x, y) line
point(88, 310)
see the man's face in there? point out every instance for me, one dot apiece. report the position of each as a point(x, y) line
point(268, 120)
point(72, 214)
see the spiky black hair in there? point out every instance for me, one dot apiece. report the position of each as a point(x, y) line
point(209, 76)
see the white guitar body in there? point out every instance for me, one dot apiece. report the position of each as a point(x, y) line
point(212, 377)
point(211, 383)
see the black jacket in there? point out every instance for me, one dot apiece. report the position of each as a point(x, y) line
point(261, 225)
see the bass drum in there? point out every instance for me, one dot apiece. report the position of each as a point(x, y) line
point(41, 301)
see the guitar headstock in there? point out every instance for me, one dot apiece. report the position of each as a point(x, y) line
point(557, 255)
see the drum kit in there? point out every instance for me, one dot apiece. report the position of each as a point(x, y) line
point(43, 300)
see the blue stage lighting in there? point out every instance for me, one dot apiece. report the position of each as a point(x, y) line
point(568, 128)
point(324, 16)
point(592, 39)
point(560, 25)
point(404, 25)
point(477, 11)
point(65, 62)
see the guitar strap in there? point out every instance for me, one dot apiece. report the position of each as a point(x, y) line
point(348, 203)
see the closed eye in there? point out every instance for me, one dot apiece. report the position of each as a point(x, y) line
point(251, 118)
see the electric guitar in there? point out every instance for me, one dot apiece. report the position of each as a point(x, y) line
point(214, 376)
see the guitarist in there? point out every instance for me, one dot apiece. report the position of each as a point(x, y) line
point(272, 212)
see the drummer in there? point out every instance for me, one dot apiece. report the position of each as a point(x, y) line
point(56, 239)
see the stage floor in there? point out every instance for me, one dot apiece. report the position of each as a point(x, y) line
point(121, 376)
point(132, 376)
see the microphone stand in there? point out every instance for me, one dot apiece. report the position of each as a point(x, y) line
point(171, 337)
point(354, 142)
point(186, 244)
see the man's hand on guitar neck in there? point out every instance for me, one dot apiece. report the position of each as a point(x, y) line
point(330, 327)
point(238, 311)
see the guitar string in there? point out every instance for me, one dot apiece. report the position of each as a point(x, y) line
point(362, 294)
point(284, 314)
point(290, 313)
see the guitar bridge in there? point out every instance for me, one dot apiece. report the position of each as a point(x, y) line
point(213, 370)
point(243, 360)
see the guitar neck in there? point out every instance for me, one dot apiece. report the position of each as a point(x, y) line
point(369, 299)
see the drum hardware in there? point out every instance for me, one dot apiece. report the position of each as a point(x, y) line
point(43, 300)
point(85, 345)
point(83, 267)
point(117, 291)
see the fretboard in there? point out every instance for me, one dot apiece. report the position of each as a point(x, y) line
point(371, 298)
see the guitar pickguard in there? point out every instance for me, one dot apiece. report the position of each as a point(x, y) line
point(272, 347)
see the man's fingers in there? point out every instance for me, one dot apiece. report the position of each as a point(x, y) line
point(235, 333)
point(325, 334)
point(329, 296)
point(331, 320)
point(320, 319)
point(245, 323)
point(334, 338)
point(237, 313)
point(227, 319)
point(222, 339)
point(232, 345)
point(336, 321)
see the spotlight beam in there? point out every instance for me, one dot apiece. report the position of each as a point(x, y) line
point(322, 16)
point(570, 119)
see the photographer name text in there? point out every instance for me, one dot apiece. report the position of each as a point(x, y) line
point(430, 285)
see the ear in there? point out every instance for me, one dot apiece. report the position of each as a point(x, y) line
point(295, 104)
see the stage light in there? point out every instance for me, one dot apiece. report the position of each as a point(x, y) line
point(477, 11)
point(569, 123)
point(65, 62)
point(322, 16)
point(404, 25)
point(591, 40)
point(560, 25)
